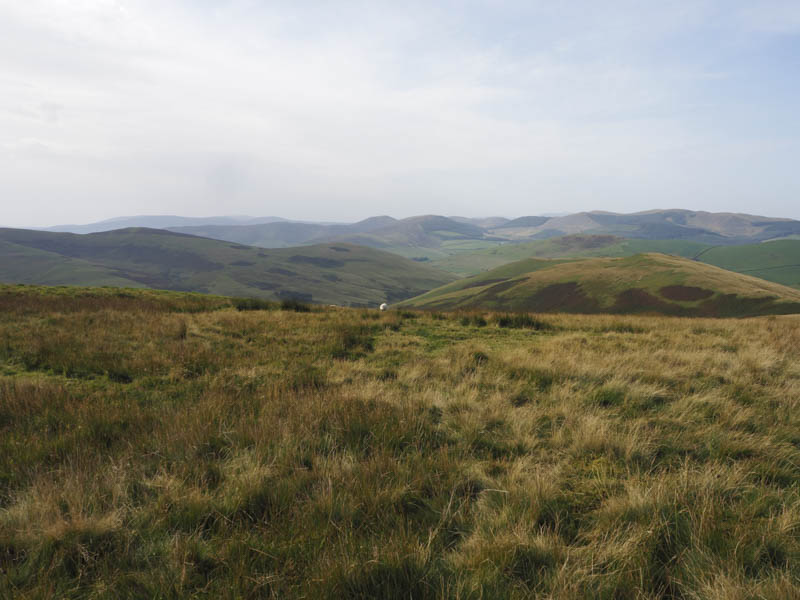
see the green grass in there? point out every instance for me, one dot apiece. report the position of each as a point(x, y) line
point(643, 283)
point(563, 247)
point(777, 261)
point(341, 274)
point(437, 256)
point(165, 445)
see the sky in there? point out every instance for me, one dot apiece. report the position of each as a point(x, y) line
point(339, 110)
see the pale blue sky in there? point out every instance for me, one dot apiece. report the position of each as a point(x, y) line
point(342, 110)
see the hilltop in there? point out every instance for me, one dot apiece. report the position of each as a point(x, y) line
point(417, 237)
point(436, 238)
point(167, 445)
point(466, 246)
point(777, 261)
point(697, 226)
point(341, 273)
point(158, 222)
point(643, 283)
point(567, 246)
point(437, 233)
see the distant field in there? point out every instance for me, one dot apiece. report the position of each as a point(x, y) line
point(447, 249)
point(168, 445)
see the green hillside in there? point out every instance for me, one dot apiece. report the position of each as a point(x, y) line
point(643, 283)
point(696, 226)
point(327, 273)
point(777, 261)
point(468, 246)
point(471, 263)
point(408, 236)
point(25, 264)
point(267, 235)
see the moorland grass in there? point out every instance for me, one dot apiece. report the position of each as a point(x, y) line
point(152, 452)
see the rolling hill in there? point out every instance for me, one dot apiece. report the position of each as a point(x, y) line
point(643, 283)
point(422, 236)
point(329, 273)
point(287, 233)
point(695, 226)
point(568, 246)
point(435, 238)
point(450, 242)
point(159, 222)
point(777, 261)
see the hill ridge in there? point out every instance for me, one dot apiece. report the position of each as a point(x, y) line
point(642, 283)
point(338, 273)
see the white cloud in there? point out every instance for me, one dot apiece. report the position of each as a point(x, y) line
point(315, 111)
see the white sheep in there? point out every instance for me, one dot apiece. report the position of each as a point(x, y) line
point(384, 306)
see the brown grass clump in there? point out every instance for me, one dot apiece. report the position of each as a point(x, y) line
point(151, 451)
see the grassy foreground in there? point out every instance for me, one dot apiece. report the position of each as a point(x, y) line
point(151, 448)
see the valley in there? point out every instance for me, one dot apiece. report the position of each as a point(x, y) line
point(341, 273)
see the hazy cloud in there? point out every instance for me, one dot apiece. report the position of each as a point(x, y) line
point(346, 109)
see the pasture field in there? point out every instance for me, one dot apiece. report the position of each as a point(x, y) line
point(175, 446)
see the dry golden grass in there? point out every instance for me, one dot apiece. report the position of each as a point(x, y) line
point(149, 453)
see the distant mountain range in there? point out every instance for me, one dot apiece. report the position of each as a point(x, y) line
point(159, 222)
point(339, 273)
point(433, 238)
point(366, 263)
point(445, 234)
point(697, 226)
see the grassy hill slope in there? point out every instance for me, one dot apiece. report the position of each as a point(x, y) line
point(25, 264)
point(697, 226)
point(159, 222)
point(431, 235)
point(576, 245)
point(338, 274)
point(267, 235)
point(466, 246)
point(643, 283)
point(424, 237)
point(153, 447)
point(777, 261)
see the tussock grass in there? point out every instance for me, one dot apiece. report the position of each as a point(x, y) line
point(521, 321)
point(147, 450)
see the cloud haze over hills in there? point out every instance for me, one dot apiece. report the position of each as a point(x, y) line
point(345, 110)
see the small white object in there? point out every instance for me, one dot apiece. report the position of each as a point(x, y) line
point(384, 306)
